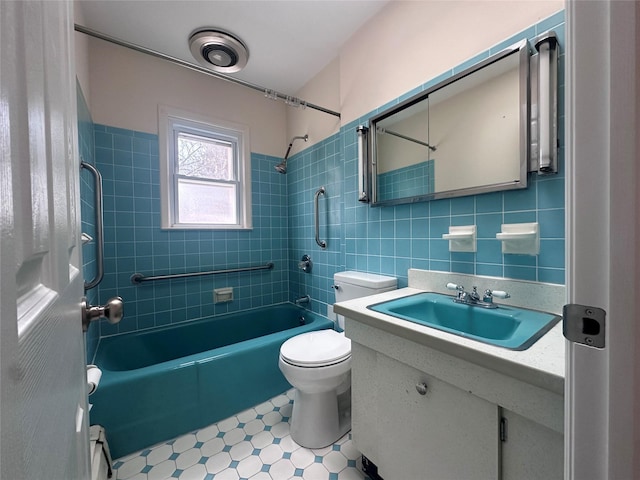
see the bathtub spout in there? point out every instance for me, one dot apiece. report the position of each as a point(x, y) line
point(304, 300)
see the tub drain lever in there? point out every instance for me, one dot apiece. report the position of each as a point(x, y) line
point(113, 311)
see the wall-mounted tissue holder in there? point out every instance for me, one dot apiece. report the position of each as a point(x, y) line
point(520, 238)
point(461, 238)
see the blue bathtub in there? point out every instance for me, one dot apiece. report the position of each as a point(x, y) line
point(165, 382)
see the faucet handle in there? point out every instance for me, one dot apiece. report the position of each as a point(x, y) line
point(459, 288)
point(489, 294)
point(500, 294)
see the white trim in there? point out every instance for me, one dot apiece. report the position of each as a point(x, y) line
point(165, 115)
point(602, 247)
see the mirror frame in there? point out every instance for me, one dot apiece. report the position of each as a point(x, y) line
point(522, 50)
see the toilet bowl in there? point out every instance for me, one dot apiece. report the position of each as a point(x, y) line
point(318, 365)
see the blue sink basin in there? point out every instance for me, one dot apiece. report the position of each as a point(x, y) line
point(508, 327)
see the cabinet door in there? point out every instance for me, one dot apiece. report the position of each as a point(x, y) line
point(365, 428)
point(447, 433)
point(531, 450)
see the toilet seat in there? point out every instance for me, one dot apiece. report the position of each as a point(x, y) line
point(316, 349)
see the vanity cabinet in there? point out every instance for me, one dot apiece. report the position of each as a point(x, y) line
point(531, 451)
point(445, 433)
point(470, 423)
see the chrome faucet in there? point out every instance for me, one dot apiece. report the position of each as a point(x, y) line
point(304, 300)
point(473, 298)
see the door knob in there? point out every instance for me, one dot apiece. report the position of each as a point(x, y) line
point(113, 311)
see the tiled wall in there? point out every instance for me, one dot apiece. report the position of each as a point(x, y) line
point(87, 207)
point(135, 243)
point(318, 166)
point(390, 240)
point(387, 240)
point(408, 181)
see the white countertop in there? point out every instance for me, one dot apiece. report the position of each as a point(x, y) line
point(542, 364)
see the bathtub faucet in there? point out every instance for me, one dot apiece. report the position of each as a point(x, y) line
point(304, 300)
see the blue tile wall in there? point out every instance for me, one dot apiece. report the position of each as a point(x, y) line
point(318, 166)
point(386, 240)
point(409, 181)
point(390, 240)
point(134, 242)
point(87, 211)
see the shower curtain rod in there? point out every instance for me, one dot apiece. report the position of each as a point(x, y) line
point(268, 92)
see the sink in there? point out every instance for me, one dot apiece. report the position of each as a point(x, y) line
point(508, 327)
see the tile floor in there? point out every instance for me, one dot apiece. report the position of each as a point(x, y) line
point(255, 444)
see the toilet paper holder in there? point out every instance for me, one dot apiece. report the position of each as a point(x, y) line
point(94, 374)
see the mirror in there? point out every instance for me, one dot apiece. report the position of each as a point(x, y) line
point(463, 136)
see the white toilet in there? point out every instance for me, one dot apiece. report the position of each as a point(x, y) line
point(318, 365)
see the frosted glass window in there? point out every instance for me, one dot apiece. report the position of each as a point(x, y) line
point(206, 182)
point(204, 203)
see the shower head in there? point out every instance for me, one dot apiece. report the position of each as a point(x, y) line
point(282, 166)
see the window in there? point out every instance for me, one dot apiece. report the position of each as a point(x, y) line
point(205, 172)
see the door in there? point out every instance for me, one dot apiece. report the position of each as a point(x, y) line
point(602, 236)
point(43, 397)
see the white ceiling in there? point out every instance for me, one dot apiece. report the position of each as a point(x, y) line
point(289, 41)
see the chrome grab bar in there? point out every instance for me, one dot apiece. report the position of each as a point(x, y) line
point(321, 243)
point(99, 227)
point(138, 278)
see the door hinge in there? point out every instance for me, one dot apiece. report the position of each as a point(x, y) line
point(583, 324)
point(503, 429)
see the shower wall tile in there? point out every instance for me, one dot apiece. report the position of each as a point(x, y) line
point(318, 166)
point(86, 148)
point(134, 241)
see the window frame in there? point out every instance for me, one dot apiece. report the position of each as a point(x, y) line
point(171, 122)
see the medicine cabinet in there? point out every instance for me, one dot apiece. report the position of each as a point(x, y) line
point(469, 134)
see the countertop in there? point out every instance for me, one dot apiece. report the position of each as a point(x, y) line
point(542, 364)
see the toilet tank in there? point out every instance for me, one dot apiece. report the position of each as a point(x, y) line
point(349, 285)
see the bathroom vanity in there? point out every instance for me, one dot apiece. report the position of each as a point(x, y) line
point(432, 405)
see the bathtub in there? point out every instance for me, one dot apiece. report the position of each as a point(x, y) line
point(165, 382)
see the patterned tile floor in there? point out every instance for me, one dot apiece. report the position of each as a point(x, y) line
point(255, 444)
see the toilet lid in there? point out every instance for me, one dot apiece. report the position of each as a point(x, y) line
point(316, 349)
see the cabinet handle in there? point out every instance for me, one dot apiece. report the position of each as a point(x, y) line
point(421, 388)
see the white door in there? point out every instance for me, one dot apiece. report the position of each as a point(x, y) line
point(43, 398)
point(603, 251)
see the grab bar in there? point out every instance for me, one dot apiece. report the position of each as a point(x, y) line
point(138, 278)
point(99, 227)
point(321, 243)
